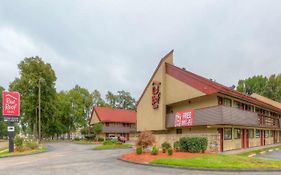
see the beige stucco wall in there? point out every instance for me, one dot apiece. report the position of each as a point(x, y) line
point(94, 118)
point(147, 117)
point(197, 103)
point(178, 91)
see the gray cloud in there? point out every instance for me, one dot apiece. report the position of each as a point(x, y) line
point(112, 45)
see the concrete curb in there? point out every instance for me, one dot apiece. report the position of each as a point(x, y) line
point(22, 155)
point(264, 152)
point(201, 169)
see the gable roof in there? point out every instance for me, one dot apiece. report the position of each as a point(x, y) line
point(210, 87)
point(155, 71)
point(107, 114)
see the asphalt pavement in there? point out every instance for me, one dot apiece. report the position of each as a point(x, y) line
point(73, 159)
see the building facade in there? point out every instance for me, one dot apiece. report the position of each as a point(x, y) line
point(117, 122)
point(178, 103)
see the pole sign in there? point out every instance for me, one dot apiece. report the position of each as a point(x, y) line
point(11, 104)
point(184, 118)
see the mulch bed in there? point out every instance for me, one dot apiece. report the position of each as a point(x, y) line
point(145, 158)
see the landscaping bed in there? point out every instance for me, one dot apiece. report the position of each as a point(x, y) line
point(146, 157)
point(40, 149)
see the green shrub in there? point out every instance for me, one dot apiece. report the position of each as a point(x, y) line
point(76, 139)
point(170, 151)
point(31, 144)
point(139, 150)
point(100, 139)
point(177, 146)
point(154, 150)
point(111, 142)
point(193, 144)
point(165, 146)
point(18, 141)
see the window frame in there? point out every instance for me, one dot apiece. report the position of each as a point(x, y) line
point(238, 136)
point(224, 131)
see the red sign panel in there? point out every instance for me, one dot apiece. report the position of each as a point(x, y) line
point(156, 94)
point(184, 118)
point(11, 104)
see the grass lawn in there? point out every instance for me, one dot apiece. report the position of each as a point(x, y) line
point(258, 151)
point(39, 150)
point(85, 142)
point(101, 147)
point(220, 161)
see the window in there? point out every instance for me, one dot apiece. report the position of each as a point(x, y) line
point(270, 134)
point(237, 133)
point(219, 100)
point(227, 102)
point(179, 131)
point(266, 133)
point(237, 104)
point(227, 133)
point(258, 133)
point(106, 124)
point(251, 133)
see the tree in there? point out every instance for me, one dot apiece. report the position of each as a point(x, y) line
point(97, 99)
point(122, 100)
point(253, 84)
point(33, 71)
point(272, 88)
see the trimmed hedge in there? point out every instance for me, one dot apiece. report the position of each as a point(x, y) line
point(177, 146)
point(193, 144)
point(154, 150)
point(165, 146)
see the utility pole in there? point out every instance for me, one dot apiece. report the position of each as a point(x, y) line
point(39, 110)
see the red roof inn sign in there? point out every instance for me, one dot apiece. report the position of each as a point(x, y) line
point(11, 104)
point(184, 118)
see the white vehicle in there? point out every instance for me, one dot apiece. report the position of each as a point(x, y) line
point(112, 137)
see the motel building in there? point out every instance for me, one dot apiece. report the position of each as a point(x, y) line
point(116, 122)
point(178, 103)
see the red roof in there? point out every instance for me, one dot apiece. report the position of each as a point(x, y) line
point(210, 87)
point(106, 114)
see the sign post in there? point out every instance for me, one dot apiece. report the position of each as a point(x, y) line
point(11, 113)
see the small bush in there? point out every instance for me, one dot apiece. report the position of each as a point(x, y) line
point(146, 138)
point(165, 146)
point(76, 139)
point(154, 150)
point(193, 144)
point(31, 144)
point(139, 150)
point(18, 141)
point(100, 139)
point(177, 146)
point(170, 151)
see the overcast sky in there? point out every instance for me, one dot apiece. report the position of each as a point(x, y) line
point(114, 45)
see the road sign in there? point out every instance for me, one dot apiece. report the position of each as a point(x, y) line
point(11, 119)
point(11, 104)
point(11, 128)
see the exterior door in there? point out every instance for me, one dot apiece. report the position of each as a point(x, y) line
point(274, 137)
point(262, 136)
point(246, 138)
point(220, 130)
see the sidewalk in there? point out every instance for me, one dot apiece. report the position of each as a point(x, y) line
point(239, 151)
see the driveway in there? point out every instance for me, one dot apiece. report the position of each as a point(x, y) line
point(271, 155)
point(71, 159)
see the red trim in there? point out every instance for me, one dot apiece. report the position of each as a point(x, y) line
point(243, 138)
point(151, 78)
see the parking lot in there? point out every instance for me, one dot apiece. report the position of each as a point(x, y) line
point(67, 159)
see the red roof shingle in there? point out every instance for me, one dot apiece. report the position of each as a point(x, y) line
point(106, 114)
